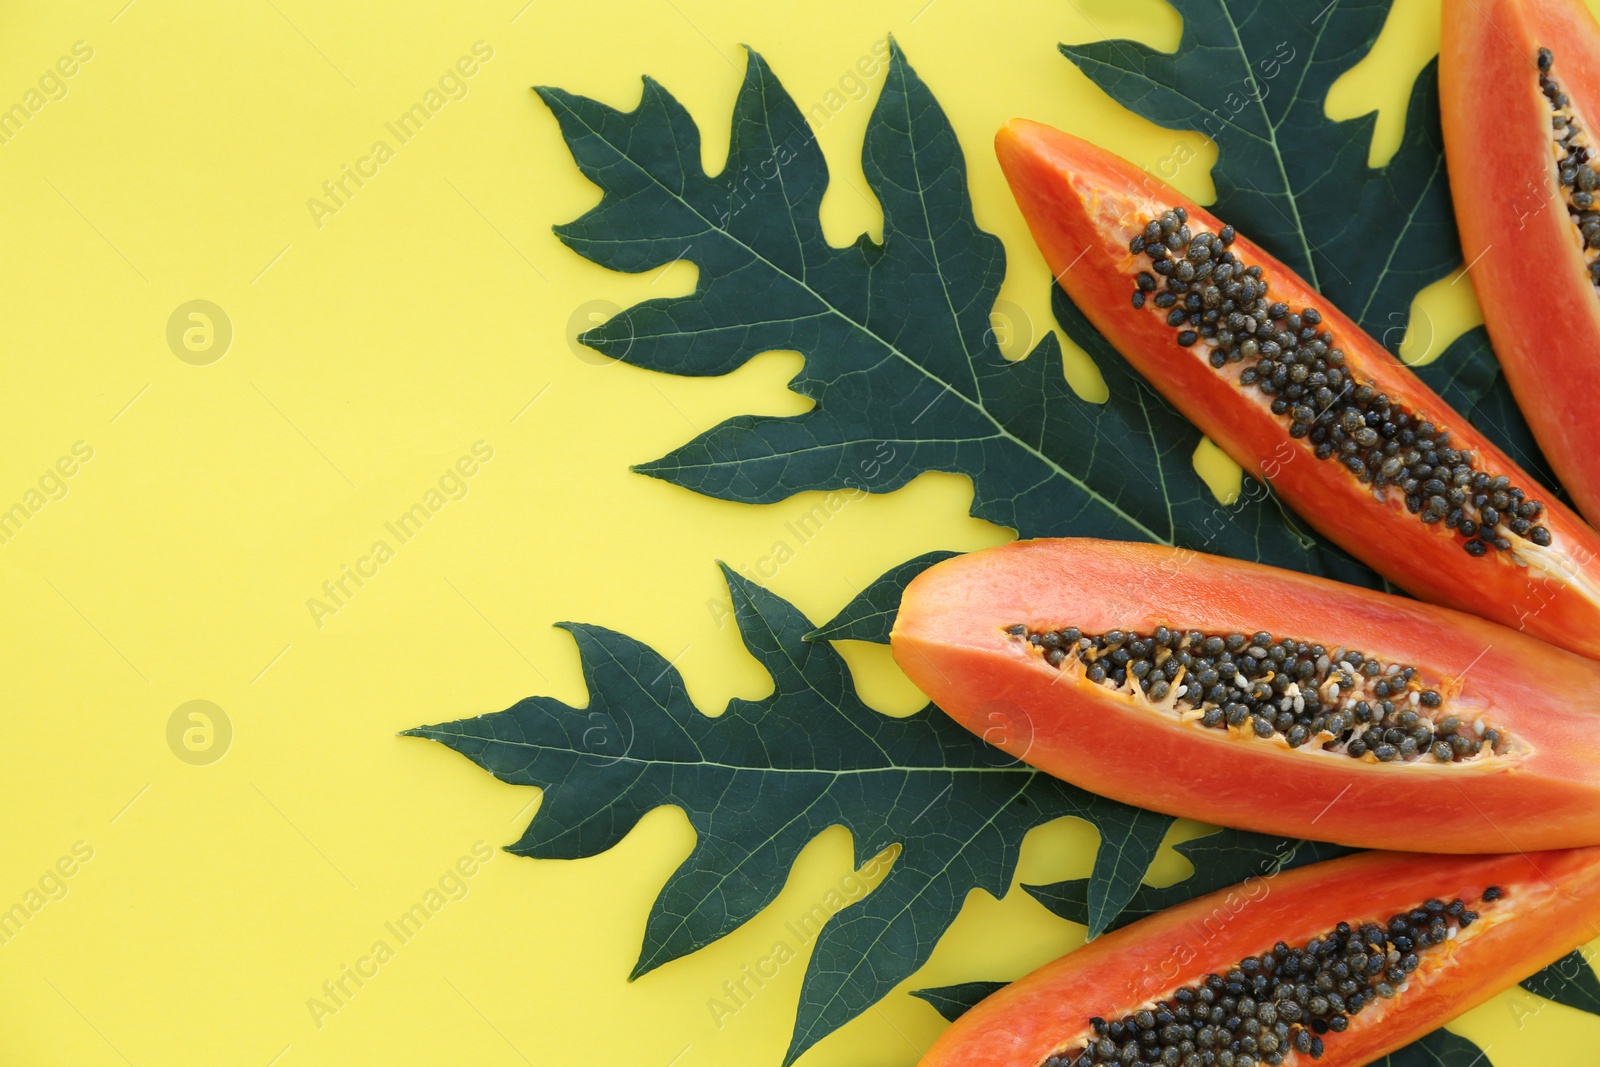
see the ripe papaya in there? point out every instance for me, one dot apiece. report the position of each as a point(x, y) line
point(1300, 397)
point(1260, 698)
point(1338, 962)
point(1516, 81)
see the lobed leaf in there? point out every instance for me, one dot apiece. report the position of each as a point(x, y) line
point(901, 360)
point(761, 780)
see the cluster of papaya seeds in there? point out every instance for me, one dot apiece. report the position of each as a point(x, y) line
point(1213, 299)
point(1335, 963)
point(1306, 401)
point(1338, 699)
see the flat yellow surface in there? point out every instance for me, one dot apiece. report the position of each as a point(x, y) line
point(224, 868)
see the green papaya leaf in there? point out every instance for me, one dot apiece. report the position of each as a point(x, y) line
point(1439, 1049)
point(954, 1001)
point(896, 336)
point(1570, 981)
point(764, 778)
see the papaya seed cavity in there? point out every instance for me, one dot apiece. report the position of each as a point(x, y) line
point(1337, 700)
point(1210, 297)
point(1286, 1000)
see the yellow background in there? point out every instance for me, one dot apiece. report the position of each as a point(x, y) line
point(368, 354)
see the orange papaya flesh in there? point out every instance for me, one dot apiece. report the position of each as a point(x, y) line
point(1516, 177)
point(1366, 452)
point(1502, 918)
point(1533, 784)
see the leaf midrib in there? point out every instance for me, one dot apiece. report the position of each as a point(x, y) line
point(933, 249)
point(1272, 131)
point(837, 772)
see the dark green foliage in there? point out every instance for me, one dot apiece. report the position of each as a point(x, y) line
point(761, 780)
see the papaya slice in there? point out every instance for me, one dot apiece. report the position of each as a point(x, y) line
point(1519, 88)
point(1300, 397)
point(1336, 963)
point(1258, 698)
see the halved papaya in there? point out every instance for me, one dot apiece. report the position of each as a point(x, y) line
point(1519, 85)
point(1338, 962)
point(1300, 397)
point(1259, 698)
